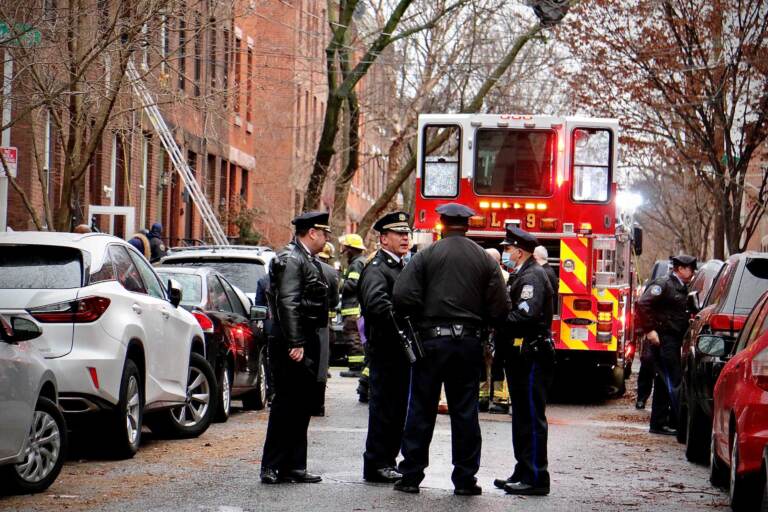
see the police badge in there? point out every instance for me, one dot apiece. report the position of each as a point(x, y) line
point(527, 292)
point(655, 290)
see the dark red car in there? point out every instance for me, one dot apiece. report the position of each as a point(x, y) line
point(740, 410)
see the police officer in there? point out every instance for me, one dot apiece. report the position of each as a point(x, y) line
point(452, 290)
point(353, 248)
point(663, 318)
point(530, 361)
point(298, 299)
point(389, 369)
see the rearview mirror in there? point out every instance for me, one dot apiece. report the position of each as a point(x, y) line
point(258, 313)
point(18, 329)
point(694, 306)
point(711, 345)
point(174, 292)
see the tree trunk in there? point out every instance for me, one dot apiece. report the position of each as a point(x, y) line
point(344, 181)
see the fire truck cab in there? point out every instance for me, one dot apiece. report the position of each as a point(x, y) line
point(554, 177)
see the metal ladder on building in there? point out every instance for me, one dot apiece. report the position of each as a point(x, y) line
point(177, 158)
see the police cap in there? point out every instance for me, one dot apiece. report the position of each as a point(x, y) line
point(519, 238)
point(316, 220)
point(455, 212)
point(684, 260)
point(393, 221)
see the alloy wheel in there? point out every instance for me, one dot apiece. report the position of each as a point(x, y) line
point(226, 392)
point(198, 399)
point(43, 449)
point(132, 410)
point(262, 380)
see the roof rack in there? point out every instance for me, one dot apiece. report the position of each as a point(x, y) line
point(214, 248)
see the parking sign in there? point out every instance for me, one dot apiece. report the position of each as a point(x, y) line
point(9, 160)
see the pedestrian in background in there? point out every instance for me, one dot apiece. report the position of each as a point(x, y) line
point(541, 256)
point(389, 369)
point(298, 298)
point(156, 245)
point(452, 290)
point(530, 364)
point(662, 315)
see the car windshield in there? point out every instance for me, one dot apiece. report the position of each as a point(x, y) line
point(40, 267)
point(754, 281)
point(191, 286)
point(242, 273)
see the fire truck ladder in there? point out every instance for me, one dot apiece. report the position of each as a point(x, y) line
point(179, 163)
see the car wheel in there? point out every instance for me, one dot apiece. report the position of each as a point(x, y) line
point(698, 430)
point(257, 398)
point(44, 455)
point(224, 403)
point(743, 491)
point(194, 417)
point(717, 474)
point(123, 431)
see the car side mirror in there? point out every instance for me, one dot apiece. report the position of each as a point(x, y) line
point(711, 345)
point(18, 329)
point(258, 313)
point(174, 292)
point(694, 305)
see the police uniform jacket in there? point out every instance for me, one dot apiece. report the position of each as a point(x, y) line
point(453, 281)
point(530, 292)
point(377, 282)
point(350, 304)
point(298, 296)
point(663, 307)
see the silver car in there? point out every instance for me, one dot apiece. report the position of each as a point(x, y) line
point(33, 435)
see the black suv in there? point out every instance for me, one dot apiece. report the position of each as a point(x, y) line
point(735, 290)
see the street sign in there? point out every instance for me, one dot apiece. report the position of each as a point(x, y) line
point(21, 35)
point(9, 160)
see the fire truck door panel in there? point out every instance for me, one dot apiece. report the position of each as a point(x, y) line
point(574, 271)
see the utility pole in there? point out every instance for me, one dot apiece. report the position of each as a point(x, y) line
point(5, 138)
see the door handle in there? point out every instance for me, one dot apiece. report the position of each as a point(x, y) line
point(136, 309)
point(165, 313)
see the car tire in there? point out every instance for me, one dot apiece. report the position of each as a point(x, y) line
point(743, 491)
point(224, 385)
point(256, 399)
point(195, 416)
point(717, 472)
point(698, 431)
point(123, 424)
point(44, 455)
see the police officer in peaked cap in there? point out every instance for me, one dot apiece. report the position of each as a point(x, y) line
point(662, 315)
point(298, 301)
point(453, 291)
point(389, 369)
point(529, 365)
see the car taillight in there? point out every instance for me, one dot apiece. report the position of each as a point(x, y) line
point(760, 369)
point(629, 351)
point(206, 324)
point(88, 309)
point(723, 322)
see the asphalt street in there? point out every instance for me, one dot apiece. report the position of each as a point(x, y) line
point(601, 458)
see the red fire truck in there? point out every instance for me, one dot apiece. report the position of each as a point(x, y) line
point(554, 177)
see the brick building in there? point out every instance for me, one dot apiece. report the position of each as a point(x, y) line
point(243, 91)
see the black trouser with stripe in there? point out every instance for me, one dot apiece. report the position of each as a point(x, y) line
point(390, 375)
point(666, 387)
point(529, 380)
point(455, 362)
point(646, 374)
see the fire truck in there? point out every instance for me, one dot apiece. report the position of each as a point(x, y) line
point(553, 177)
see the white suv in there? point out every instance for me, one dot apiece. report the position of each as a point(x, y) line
point(113, 335)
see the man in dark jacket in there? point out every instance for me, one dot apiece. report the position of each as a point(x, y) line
point(298, 299)
point(541, 256)
point(453, 291)
point(662, 315)
point(156, 245)
point(389, 369)
point(529, 364)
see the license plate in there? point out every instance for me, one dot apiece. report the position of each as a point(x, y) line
point(579, 333)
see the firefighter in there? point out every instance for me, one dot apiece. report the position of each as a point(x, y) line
point(452, 290)
point(353, 248)
point(494, 396)
point(389, 369)
point(298, 300)
point(530, 362)
point(663, 317)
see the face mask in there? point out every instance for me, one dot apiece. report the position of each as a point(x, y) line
point(507, 260)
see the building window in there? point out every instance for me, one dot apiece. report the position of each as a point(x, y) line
point(146, 163)
point(249, 86)
point(236, 80)
point(182, 53)
point(165, 43)
point(212, 54)
point(198, 35)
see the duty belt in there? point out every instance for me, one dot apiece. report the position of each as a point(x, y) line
point(454, 331)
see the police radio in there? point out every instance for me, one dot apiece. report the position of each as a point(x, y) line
point(409, 339)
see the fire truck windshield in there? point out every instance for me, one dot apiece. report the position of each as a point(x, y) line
point(514, 162)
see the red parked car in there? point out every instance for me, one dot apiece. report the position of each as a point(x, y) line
point(740, 410)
